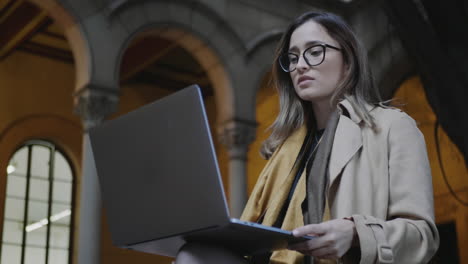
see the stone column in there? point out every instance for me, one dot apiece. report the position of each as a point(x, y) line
point(93, 105)
point(237, 135)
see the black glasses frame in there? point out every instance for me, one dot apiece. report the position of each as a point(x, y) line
point(324, 47)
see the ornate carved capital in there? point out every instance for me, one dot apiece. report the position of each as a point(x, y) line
point(237, 135)
point(94, 104)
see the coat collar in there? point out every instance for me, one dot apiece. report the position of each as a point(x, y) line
point(348, 138)
point(347, 109)
point(347, 142)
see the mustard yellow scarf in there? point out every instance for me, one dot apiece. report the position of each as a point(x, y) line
point(272, 189)
point(274, 184)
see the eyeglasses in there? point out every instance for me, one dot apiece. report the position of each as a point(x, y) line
point(313, 56)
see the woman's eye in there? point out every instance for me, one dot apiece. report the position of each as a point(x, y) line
point(315, 52)
point(293, 59)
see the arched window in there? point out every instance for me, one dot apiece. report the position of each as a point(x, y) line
point(38, 206)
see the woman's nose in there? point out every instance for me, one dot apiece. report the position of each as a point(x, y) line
point(302, 64)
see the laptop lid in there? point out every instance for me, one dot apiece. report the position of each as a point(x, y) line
point(158, 171)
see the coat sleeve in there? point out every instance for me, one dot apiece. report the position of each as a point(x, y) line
point(409, 234)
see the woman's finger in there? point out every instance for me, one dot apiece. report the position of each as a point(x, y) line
point(313, 229)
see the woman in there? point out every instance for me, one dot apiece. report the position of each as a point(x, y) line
point(341, 166)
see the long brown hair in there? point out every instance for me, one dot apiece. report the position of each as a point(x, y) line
point(357, 85)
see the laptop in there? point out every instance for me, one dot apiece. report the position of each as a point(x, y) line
point(161, 186)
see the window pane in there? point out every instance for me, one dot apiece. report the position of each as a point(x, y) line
point(62, 170)
point(39, 189)
point(40, 161)
point(59, 236)
point(12, 231)
point(20, 161)
point(14, 209)
point(16, 186)
point(37, 237)
point(38, 218)
point(36, 211)
point(58, 256)
point(34, 255)
point(61, 214)
point(37, 223)
point(11, 254)
point(62, 192)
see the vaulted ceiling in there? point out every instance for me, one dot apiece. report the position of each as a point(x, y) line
point(149, 59)
point(26, 27)
point(433, 32)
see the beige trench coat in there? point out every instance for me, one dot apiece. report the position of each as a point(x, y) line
point(379, 177)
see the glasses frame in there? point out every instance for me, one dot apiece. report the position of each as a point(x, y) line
point(324, 47)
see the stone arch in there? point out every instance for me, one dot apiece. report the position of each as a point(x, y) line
point(65, 133)
point(258, 61)
point(260, 58)
point(68, 19)
point(388, 59)
point(59, 130)
point(194, 27)
point(390, 65)
point(263, 39)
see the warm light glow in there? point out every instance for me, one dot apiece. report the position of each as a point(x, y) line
point(45, 222)
point(10, 169)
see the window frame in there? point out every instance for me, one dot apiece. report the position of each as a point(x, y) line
point(53, 149)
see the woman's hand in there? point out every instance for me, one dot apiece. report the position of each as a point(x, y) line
point(334, 238)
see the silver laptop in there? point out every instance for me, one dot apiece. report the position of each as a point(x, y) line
point(161, 185)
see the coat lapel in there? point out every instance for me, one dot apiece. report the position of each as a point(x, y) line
point(347, 142)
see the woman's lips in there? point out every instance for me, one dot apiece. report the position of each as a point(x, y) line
point(304, 79)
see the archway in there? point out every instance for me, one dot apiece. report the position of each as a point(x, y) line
point(266, 111)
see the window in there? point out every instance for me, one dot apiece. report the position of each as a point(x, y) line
point(38, 206)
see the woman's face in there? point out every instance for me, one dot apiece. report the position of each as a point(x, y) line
point(315, 83)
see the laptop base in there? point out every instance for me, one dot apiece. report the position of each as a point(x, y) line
point(243, 238)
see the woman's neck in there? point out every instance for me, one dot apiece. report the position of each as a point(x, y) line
point(322, 111)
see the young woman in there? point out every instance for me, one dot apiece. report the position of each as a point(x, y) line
point(342, 166)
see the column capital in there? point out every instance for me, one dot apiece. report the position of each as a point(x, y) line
point(94, 103)
point(236, 135)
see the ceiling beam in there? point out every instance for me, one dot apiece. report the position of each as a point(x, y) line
point(18, 22)
point(178, 74)
point(47, 51)
point(142, 53)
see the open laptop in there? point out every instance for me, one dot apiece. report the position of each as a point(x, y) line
point(161, 184)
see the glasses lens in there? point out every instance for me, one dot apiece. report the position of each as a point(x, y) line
point(288, 62)
point(314, 55)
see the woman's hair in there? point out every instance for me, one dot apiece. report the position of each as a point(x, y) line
point(357, 85)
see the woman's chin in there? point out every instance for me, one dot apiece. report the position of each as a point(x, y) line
point(314, 97)
point(308, 95)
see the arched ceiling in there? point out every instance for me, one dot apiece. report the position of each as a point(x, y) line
point(148, 60)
